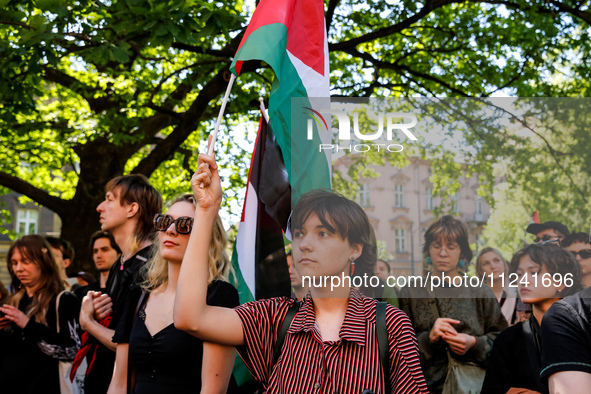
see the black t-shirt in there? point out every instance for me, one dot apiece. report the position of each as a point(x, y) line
point(170, 360)
point(566, 335)
point(510, 364)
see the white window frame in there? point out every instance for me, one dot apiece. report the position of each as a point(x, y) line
point(400, 237)
point(399, 195)
point(364, 195)
point(455, 202)
point(429, 200)
point(26, 218)
point(479, 209)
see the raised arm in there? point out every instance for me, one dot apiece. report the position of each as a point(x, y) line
point(191, 312)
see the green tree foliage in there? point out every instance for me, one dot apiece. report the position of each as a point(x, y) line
point(93, 90)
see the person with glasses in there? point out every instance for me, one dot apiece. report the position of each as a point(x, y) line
point(579, 244)
point(548, 231)
point(546, 273)
point(456, 323)
point(165, 359)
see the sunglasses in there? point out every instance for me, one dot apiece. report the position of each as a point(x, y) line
point(183, 225)
point(585, 254)
point(547, 238)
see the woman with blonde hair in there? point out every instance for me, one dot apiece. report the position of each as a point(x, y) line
point(39, 320)
point(159, 358)
point(491, 265)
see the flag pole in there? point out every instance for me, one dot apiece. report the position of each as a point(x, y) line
point(220, 115)
point(219, 121)
point(263, 110)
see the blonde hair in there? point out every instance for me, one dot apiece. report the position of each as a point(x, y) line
point(36, 249)
point(220, 267)
point(479, 271)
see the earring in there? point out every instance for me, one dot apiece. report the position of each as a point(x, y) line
point(352, 270)
point(462, 263)
point(428, 261)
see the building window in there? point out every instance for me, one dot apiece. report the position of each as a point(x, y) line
point(455, 203)
point(363, 195)
point(27, 221)
point(479, 208)
point(429, 200)
point(400, 241)
point(399, 196)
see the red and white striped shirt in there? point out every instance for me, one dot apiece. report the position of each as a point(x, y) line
point(309, 365)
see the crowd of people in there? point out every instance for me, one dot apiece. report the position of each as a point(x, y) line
point(163, 316)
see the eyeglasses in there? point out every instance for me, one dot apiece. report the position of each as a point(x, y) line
point(183, 225)
point(585, 254)
point(548, 238)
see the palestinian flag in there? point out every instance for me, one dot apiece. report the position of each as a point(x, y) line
point(259, 251)
point(290, 36)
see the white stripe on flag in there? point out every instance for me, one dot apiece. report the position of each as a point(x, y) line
point(247, 237)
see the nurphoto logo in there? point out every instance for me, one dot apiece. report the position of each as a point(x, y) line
point(396, 123)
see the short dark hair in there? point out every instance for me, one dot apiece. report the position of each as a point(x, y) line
point(575, 237)
point(452, 230)
point(137, 188)
point(342, 216)
point(62, 244)
point(104, 234)
point(557, 260)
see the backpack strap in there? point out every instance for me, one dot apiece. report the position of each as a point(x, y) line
point(291, 312)
point(383, 347)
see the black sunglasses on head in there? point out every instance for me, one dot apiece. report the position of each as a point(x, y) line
point(585, 254)
point(183, 225)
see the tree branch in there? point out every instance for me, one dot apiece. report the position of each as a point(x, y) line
point(403, 68)
point(189, 122)
point(379, 33)
point(332, 5)
point(18, 185)
point(96, 104)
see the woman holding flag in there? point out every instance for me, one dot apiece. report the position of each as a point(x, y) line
point(330, 344)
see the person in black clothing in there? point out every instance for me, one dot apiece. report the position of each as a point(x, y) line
point(30, 340)
point(166, 359)
point(127, 212)
point(105, 252)
point(546, 273)
point(566, 345)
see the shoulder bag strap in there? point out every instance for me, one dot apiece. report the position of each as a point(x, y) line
point(383, 348)
point(57, 314)
point(291, 312)
point(433, 303)
point(138, 306)
point(532, 350)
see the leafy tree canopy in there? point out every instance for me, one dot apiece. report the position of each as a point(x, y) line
point(92, 90)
